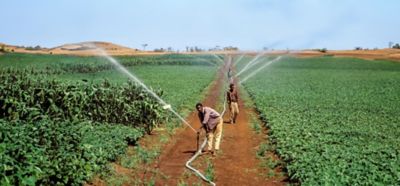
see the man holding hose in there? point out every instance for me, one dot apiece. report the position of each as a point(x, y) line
point(212, 123)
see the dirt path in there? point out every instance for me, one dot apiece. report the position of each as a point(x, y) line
point(172, 160)
point(236, 164)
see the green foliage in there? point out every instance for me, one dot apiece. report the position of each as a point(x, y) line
point(28, 98)
point(333, 120)
point(255, 125)
point(141, 155)
point(69, 128)
point(209, 172)
point(54, 153)
point(262, 149)
point(90, 64)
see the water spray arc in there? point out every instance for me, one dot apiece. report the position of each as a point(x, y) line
point(219, 59)
point(238, 59)
point(259, 69)
point(250, 64)
point(134, 78)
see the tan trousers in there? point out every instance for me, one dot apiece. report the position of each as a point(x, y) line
point(234, 108)
point(217, 131)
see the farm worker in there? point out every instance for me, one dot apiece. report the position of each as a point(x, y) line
point(232, 99)
point(212, 123)
point(230, 76)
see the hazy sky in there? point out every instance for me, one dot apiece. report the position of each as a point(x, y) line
point(247, 24)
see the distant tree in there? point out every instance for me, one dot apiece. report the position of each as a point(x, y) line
point(198, 49)
point(390, 44)
point(159, 50)
point(231, 48)
point(37, 47)
point(144, 46)
point(396, 46)
point(358, 48)
point(187, 49)
point(2, 48)
point(169, 49)
point(323, 50)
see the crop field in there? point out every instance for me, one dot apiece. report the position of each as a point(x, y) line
point(179, 93)
point(174, 79)
point(329, 121)
point(334, 121)
point(70, 122)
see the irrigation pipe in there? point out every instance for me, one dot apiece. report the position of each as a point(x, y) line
point(199, 152)
point(197, 172)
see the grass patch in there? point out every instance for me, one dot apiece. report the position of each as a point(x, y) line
point(255, 124)
point(209, 172)
point(140, 156)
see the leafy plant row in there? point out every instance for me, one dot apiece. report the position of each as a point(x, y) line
point(27, 98)
point(59, 153)
point(61, 64)
point(334, 121)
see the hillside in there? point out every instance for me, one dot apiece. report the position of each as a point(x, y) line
point(82, 48)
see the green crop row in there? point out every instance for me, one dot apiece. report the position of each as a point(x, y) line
point(60, 64)
point(59, 153)
point(27, 98)
point(335, 121)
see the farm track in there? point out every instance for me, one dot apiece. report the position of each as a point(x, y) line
point(235, 165)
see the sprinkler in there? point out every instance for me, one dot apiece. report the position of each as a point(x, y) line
point(165, 107)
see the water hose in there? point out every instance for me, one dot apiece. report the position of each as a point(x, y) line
point(195, 170)
point(198, 152)
point(198, 139)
